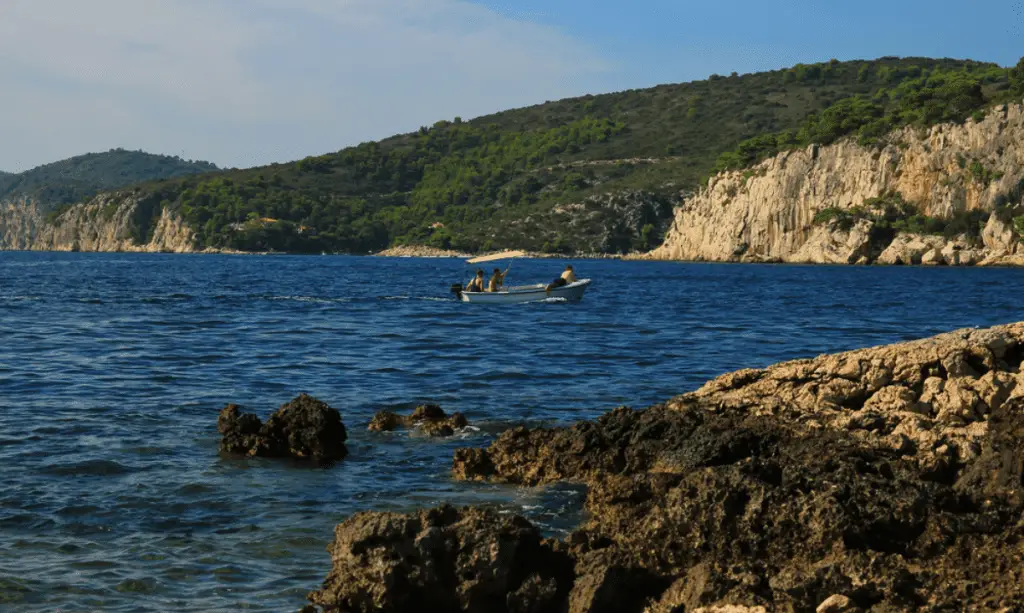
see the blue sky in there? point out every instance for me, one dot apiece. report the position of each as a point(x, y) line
point(656, 41)
point(248, 82)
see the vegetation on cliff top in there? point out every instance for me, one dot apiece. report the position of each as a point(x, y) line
point(596, 173)
point(916, 96)
point(83, 176)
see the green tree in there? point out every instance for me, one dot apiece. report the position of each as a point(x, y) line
point(1017, 78)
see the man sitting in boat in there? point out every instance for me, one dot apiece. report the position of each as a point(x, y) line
point(477, 284)
point(497, 279)
point(568, 276)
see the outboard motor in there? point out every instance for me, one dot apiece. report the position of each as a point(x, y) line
point(457, 290)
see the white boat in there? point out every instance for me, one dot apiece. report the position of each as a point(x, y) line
point(571, 292)
point(528, 293)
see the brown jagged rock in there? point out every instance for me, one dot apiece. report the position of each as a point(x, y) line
point(429, 419)
point(304, 428)
point(445, 559)
point(885, 479)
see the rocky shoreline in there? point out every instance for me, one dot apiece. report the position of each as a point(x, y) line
point(422, 251)
point(883, 479)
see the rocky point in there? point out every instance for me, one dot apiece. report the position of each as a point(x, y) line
point(884, 479)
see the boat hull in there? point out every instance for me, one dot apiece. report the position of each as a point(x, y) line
point(531, 293)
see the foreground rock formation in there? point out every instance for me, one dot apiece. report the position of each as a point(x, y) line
point(304, 428)
point(441, 560)
point(429, 419)
point(767, 213)
point(884, 479)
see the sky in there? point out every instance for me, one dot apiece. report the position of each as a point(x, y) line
point(249, 82)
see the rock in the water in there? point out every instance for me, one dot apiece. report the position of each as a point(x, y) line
point(429, 419)
point(444, 559)
point(304, 428)
point(386, 421)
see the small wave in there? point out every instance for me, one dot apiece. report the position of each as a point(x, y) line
point(467, 432)
point(138, 586)
point(96, 468)
point(312, 299)
point(77, 510)
point(167, 298)
point(191, 489)
point(147, 450)
point(385, 370)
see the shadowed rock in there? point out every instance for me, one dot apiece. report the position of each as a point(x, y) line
point(302, 428)
point(429, 419)
point(443, 560)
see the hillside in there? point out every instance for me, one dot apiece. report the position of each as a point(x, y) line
point(598, 173)
point(83, 176)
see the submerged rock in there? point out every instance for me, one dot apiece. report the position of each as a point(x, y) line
point(428, 418)
point(842, 483)
point(302, 428)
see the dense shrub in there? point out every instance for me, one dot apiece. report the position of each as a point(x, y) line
point(915, 98)
point(890, 212)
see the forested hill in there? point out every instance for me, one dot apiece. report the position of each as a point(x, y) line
point(596, 173)
point(83, 176)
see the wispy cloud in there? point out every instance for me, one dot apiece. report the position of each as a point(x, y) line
point(246, 82)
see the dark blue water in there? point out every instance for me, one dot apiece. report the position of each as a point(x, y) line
point(113, 369)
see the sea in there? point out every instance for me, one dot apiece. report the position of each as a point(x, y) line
point(113, 368)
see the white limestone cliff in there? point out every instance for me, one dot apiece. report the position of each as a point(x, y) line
point(767, 213)
point(113, 222)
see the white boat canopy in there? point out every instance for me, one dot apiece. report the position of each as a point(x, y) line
point(504, 255)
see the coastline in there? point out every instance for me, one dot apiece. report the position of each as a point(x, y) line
point(420, 251)
point(1011, 261)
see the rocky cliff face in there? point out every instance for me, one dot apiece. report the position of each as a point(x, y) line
point(110, 222)
point(767, 213)
point(20, 221)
